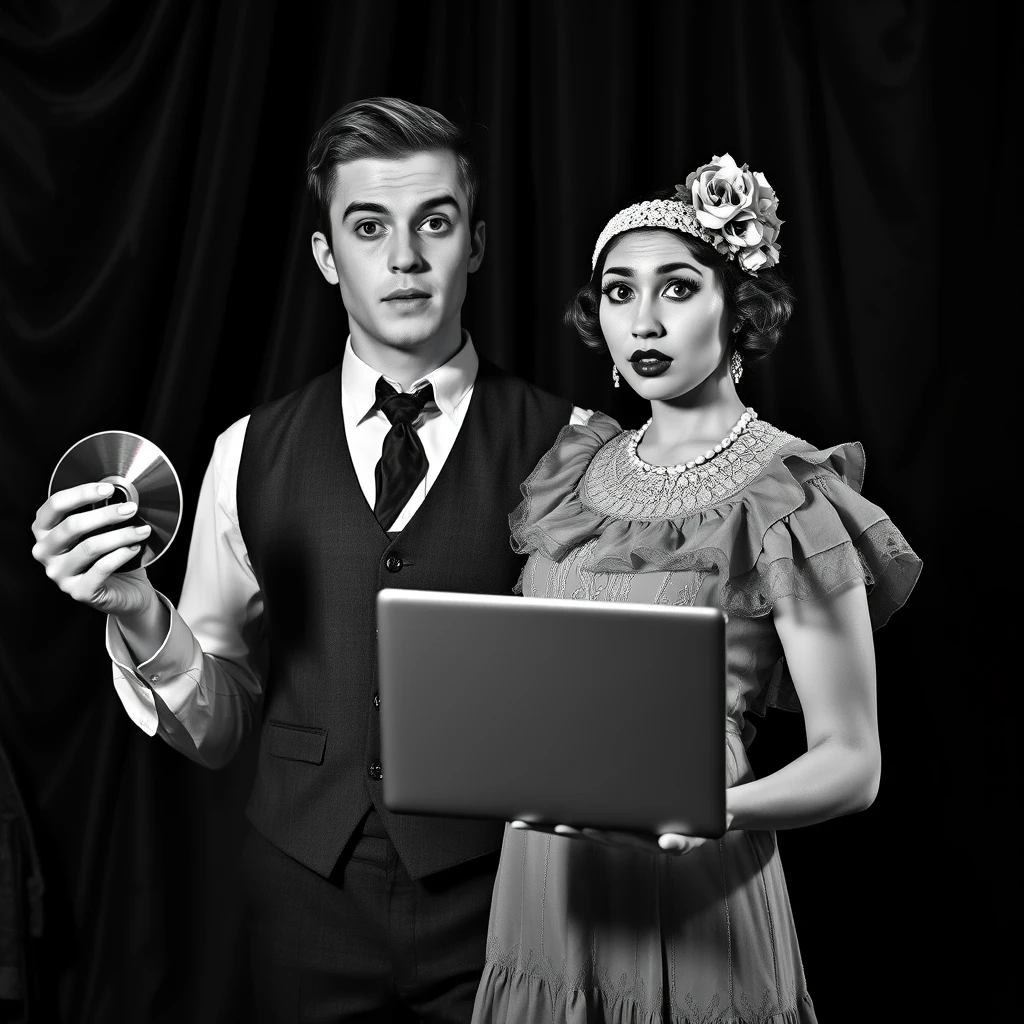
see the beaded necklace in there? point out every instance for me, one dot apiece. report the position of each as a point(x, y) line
point(741, 425)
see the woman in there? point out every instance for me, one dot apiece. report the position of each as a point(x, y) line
point(706, 504)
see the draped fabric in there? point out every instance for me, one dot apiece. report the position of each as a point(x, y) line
point(155, 276)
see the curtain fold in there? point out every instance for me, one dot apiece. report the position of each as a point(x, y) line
point(156, 276)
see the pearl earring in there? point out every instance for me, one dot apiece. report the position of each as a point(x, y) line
point(736, 367)
point(615, 376)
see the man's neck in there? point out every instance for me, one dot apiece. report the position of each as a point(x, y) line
point(406, 366)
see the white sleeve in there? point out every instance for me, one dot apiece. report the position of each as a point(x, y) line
point(201, 690)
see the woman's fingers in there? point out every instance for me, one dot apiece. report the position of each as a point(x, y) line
point(612, 837)
point(555, 830)
point(568, 831)
point(670, 842)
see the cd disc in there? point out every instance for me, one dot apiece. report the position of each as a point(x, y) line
point(140, 472)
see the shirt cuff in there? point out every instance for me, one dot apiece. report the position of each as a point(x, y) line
point(172, 672)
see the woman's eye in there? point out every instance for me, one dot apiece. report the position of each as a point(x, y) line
point(680, 289)
point(368, 229)
point(618, 293)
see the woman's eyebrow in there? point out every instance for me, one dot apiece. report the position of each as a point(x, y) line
point(665, 268)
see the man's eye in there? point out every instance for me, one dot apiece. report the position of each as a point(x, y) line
point(435, 224)
point(368, 229)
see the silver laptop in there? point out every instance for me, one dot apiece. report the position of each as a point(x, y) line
point(553, 711)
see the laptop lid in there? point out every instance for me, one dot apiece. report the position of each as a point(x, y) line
point(575, 712)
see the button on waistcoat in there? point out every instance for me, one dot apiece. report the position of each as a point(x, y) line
point(320, 557)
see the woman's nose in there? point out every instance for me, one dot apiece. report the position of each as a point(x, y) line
point(647, 324)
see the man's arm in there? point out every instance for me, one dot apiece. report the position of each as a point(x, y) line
point(198, 687)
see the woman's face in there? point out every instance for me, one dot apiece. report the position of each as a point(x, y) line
point(663, 314)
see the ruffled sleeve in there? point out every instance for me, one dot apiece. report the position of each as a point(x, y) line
point(550, 491)
point(793, 525)
point(835, 536)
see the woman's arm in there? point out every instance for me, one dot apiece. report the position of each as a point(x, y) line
point(831, 657)
point(830, 654)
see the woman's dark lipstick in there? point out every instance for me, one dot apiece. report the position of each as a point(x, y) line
point(650, 362)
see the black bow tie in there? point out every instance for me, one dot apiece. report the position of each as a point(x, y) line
point(403, 462)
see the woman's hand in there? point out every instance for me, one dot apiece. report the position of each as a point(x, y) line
point(669, 842)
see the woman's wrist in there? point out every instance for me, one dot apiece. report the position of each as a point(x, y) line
point(730, 811)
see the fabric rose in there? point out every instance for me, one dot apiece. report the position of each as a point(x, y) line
point(720, 191)
point(739, 206)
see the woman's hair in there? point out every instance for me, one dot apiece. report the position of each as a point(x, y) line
point(762, 304)
point(386, 128)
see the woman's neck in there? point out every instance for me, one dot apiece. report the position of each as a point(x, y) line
point(688, 426)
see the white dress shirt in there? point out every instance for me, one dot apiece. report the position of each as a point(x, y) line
point(201, 690)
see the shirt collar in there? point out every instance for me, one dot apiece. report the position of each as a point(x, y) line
point(452, 381)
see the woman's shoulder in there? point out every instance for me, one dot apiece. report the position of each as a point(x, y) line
point(552, 486)
point(773, 516)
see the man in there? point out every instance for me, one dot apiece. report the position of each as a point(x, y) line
point(397, 468)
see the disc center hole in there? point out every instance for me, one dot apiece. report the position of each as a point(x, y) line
point(124, 490)
point(120, 495)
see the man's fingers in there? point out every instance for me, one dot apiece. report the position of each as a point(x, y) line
point(81, 557)
point(94, 581)
point(69, 531)
point(90, 585)
point(60, 503)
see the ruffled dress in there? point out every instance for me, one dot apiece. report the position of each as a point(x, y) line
point(580, 932)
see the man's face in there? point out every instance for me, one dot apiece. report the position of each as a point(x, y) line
point(401, 250)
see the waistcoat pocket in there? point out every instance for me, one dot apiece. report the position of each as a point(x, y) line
point(296, 742)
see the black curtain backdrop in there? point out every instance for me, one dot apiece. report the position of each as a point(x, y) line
point(156, 277)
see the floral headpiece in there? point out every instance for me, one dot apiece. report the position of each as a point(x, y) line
point(730, 207)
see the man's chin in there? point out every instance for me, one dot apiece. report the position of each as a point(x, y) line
point(407, 334)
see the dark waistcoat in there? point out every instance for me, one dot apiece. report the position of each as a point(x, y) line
point(320, 557)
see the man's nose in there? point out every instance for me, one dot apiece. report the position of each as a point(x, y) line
point(404, 256)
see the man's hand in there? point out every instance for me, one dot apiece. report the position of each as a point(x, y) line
point(670, 842)
point(82, 565)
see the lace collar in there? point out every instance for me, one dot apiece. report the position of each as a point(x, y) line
point(617, 485)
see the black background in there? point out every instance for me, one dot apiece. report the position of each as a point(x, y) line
point(156, 277)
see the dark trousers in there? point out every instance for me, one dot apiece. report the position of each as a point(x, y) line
point(368, 943)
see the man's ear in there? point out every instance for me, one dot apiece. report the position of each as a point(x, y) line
point(477, 240)
point(324, 257)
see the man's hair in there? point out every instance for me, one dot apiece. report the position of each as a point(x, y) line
point(385, 128)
